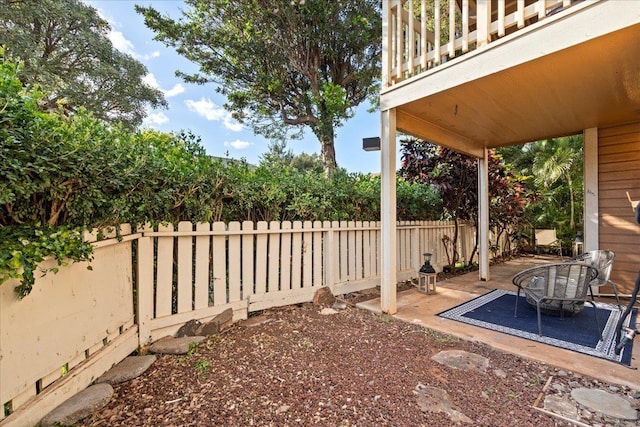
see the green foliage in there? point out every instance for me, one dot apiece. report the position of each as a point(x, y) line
point(64, 48)
point(552, 170)
point(283, 65)
point(417, 201)
point(22, 250)
point(454, 176)
point(63, 173)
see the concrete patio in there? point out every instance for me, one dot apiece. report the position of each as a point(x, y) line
point(417, 307)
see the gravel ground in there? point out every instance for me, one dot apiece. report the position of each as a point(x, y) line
point(352, 368)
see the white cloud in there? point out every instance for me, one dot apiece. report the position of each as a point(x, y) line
point(124, 45)
point(231, 124)
point(156, 119)
point(175, 90)
point(238, 145)
point(212, 112)
point(150, 80)
point(154, 54)
point(121, 43)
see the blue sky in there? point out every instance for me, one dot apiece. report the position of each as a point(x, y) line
point(199, 108)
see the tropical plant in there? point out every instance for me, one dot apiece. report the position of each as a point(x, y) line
point(455, 176)
point(552, 170)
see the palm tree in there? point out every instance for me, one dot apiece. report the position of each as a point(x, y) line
point(559, 161)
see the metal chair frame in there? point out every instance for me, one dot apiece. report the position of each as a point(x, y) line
point(601, 260)
point(562, 286)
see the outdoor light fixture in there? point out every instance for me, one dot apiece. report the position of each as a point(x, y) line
point(371, 144)
point(427, 267)
point(427, 276)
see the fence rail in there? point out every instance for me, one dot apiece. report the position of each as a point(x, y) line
point(75, 325)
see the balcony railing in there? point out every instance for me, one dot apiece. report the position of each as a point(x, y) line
point(423, 34)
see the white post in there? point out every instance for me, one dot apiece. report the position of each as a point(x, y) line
point(591, 223)
point(388, 212)
point(387, 41)
point(483, 22)
point(483, 216)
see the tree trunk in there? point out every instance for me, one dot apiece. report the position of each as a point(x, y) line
point(329, 157)
point(326, 137)
point(572, 220)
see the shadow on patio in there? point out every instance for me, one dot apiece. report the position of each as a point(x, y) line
point(416, 307)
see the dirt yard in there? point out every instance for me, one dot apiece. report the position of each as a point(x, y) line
point(297, 367)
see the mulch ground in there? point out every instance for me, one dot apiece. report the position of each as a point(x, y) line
point(299, 367)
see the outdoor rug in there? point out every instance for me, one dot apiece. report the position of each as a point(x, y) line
point(494, 310)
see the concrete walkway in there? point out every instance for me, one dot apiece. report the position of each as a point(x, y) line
point(416, 307)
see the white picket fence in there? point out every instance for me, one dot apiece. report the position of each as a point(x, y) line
point(204, 269)
point(75, 325)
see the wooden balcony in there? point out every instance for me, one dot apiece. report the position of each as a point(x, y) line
point(470, 74)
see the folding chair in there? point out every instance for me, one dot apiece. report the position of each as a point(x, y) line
point(547, 238)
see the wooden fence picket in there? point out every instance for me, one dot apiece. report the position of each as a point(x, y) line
point(273, 281)
point(164, 273)
point(285, 256)
point(234, 258)
point(358, 251)
point(248, 277)
point(261, 258)
point(343, 251)
point(316, 245)
point(201, 287)
point(185, 270)
point(296, 255)
point(219, 264)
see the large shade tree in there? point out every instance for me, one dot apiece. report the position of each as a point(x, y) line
point(284, 66)
point(63, 47)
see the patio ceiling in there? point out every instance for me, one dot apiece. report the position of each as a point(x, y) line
point(509, 93)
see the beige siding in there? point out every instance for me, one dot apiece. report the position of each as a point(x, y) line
point(619, 173)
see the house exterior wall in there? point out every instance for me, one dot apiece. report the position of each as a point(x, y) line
point(619, 173)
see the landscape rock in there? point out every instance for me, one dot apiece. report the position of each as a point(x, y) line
point(339, 305)
point(79, 406)
point(462, 360)
point(432, 399)
point(171, 345)
point(254, 321)
point(218, 324)
point(324, 297)
point(189, 329)
point(500, 373)
point(561, 405)
point(130, 368)
point(605, 403)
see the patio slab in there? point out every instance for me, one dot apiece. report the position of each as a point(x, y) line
point(416, 307)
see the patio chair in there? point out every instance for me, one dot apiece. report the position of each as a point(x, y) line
point(556, 289)
point(601, 260)
point(547, 238)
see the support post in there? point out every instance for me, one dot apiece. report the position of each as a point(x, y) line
point(388, 212)
point(483, 216)
point(591, 220)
